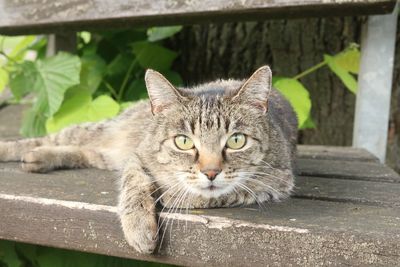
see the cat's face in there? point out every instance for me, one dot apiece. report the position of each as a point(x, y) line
point(213, 137)
point(213, 150)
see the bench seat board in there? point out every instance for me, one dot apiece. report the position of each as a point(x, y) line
point(41, 16)
point(345, 211)
point(76, 210)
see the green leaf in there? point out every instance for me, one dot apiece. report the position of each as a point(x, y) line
point(348, 80)
point(151, 55)
point(297, 95)
point(28, 252)
point(54, 76)
point(86, 36)
point(103, 107)
point(126, 105)
point(18, 51)
point(8, 254)
point(119, 64)
point(33, 122)
point(136, 90)
point(51, 257)
point(92, 72)
point(173, 77)
point(308, 124)
point(79, 108)
point(15, 46)
point(3, 79)
point(159, 33)
point(23, 79)
point(349, 60)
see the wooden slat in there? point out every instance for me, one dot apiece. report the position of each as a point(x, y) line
point(335, 153)
point(219, 237)
point(32, 16)
point(355, 191)
point(344, 169)
point(63, 185)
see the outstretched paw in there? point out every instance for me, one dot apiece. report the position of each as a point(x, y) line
point(140, 230)
point(37, 160)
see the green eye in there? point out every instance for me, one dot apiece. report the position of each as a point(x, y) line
point(236, 141)
point(183, 142)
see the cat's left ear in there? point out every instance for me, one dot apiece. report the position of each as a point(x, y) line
point(162, 93)
point(255, 91)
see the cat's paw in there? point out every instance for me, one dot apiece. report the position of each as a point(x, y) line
point(37, 160)
point(140, 230)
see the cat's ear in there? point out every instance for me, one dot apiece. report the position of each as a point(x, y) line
point(255, 91)
point(162, 93)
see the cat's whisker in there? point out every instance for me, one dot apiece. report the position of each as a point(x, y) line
point(167, 215)
point(265, 176)
point(262, 183)
point(158, 199)
point(253, 194)
point(181, 198)
point(166, 204)
point(174, 198)
point(166, 192)
point(188, 201)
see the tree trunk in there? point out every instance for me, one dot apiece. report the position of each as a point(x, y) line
point(290, 47)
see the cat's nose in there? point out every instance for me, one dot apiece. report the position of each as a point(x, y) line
point(211, 174)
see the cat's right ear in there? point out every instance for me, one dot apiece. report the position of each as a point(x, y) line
point(255, 91)
point(162, 93)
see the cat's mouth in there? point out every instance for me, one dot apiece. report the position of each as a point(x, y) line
point(212, 187)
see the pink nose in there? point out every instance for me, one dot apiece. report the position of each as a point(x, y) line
point(211, 174)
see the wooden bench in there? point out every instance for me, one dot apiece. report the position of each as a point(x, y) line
point(346, 209)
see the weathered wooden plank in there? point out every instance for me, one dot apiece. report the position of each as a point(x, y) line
point(97, 186)
point(345, 169)
point(355, 191)
point(335, 153)
point(75, 209)
point(86, 185)
point(297, 232)
point(39, 16)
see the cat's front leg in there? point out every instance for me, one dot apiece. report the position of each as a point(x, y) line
point(137, 208)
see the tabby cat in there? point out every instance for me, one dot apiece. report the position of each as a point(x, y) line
point(220, 144)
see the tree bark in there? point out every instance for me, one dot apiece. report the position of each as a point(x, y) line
point(234, 50)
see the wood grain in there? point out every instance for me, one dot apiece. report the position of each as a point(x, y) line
point(42, 16)
point(346, 169)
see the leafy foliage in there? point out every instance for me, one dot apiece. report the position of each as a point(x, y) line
point(79, 107)
point(343, 75)
point(159, 33)
point(107, 76)
point(25, 255)
point(103, 79)
point(297, 95)
point(344, 65)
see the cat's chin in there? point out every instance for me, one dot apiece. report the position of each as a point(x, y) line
point(211, 191)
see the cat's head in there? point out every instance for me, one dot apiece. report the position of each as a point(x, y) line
point(212, 138)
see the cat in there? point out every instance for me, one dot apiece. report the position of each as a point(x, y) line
point(220, 144)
